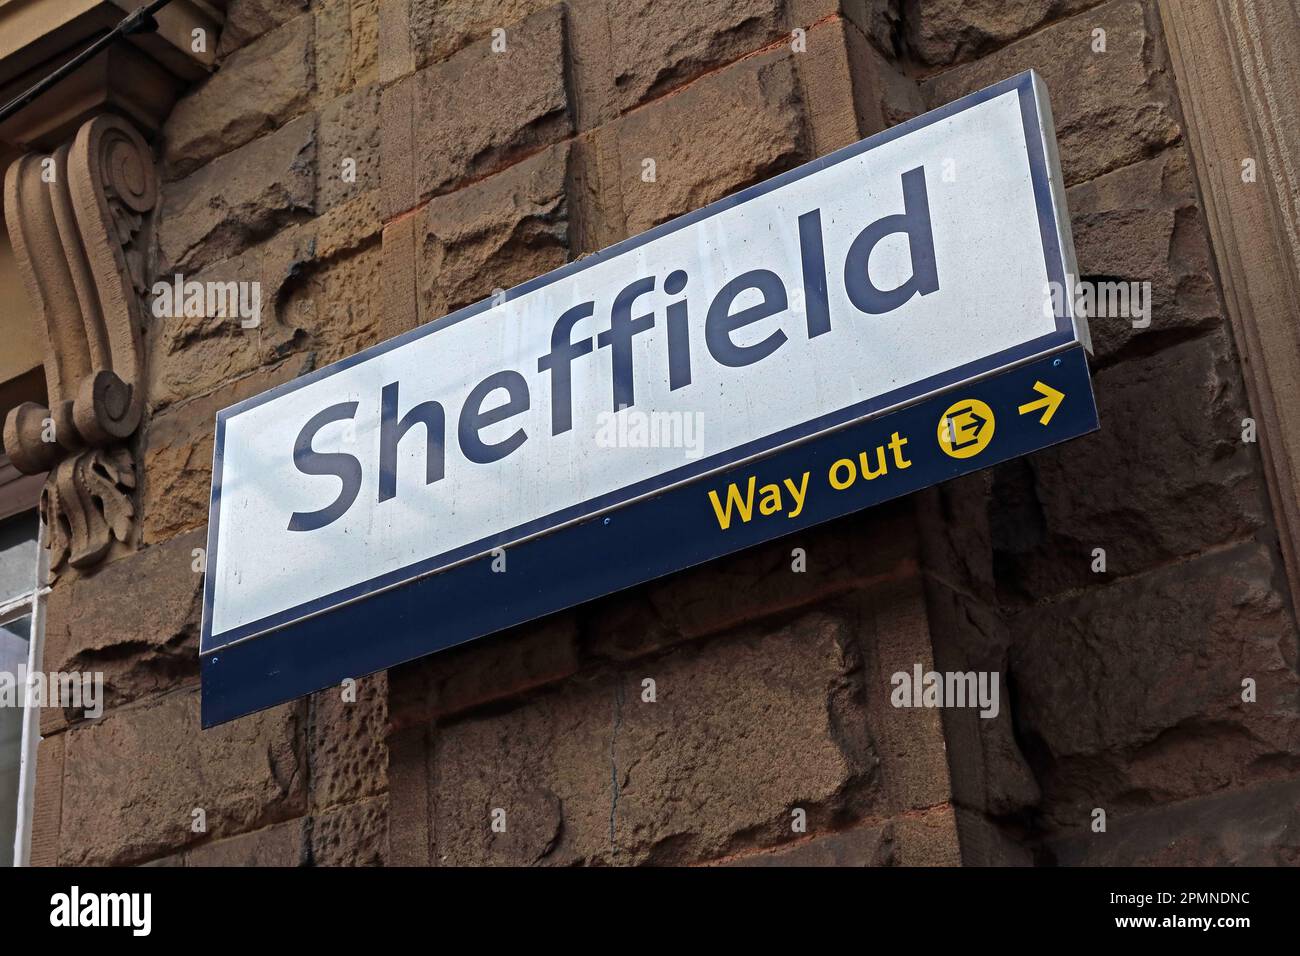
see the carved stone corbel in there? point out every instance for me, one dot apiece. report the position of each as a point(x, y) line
point(77, 220)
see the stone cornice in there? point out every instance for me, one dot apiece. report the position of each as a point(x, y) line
point(139, 77)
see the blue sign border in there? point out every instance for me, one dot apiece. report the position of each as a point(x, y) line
point(1023, 84)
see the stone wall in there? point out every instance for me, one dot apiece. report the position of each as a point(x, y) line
point(476, 170)
point(1128, 684)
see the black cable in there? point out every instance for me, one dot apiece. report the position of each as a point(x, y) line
point(141, 21)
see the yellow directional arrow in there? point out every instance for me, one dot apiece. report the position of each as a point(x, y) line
point(1050, 402)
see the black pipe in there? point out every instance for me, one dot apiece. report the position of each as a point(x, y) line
point(141, 21)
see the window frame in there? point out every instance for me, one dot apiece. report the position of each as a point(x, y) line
point(16, 498)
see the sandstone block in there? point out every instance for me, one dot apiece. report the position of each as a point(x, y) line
point(256, 90)
point(493, 235)
point(440, 28)
point(1255, 826)
point(352, 835)
point(726, 131)
point(191, 356)
point(134, 778)
point(482, 672)
point(864, 846)
point(281, 845)
point(743, 731)
point(248, 19)
point(347, 45)
point(465, 125)
point(136, 622)
point(349, 758)
point(1156, 662)
point(943, 32)
point(226, 206)
point(663, 45)
point(1142, 224)
point(349, 148)
point(334, 254)
point(753, 584)
point(336, 304)
point(1111, 108)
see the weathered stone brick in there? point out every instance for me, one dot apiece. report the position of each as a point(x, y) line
point(248, 19)
point(1142, 224)
point(872, 845)
point(464, 125)
point(664, 44)
point(1166, 476)
point(441, 27)
point(725, 131)
point(988, 770)
point(347, 45)
point(877, 20)
point(1255, 826)
point(396, 45)
point(1156, 663)
point(48, 809)
point(986, 841)
point(485, 671)
point(337, 303)
point(283, 844)
point(851, 90)
point(1111, 108)
point(351, 835)
point(956, 537)
point(192, 356)
point(177, 452)
point(256, 90)
point(492, 235)
point(397, 147)
point(134, 778)
point(136, 622)
point(942, 32)
point(896, 636)
point(400, 303)
point(349, 134)
point(929, 838)
point(743, 731)
point(344, 228)
point(232, 202)
point(349, 758)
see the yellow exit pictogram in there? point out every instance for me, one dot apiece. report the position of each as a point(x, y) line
point(966, 428)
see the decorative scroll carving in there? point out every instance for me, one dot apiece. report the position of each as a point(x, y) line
point(90, 494)
point(77, 219)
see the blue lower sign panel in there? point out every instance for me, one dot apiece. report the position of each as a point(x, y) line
point(881, 319)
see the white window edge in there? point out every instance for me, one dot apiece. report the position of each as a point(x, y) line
point(31, 733)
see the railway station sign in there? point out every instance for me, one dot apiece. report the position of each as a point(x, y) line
point(871, 323)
